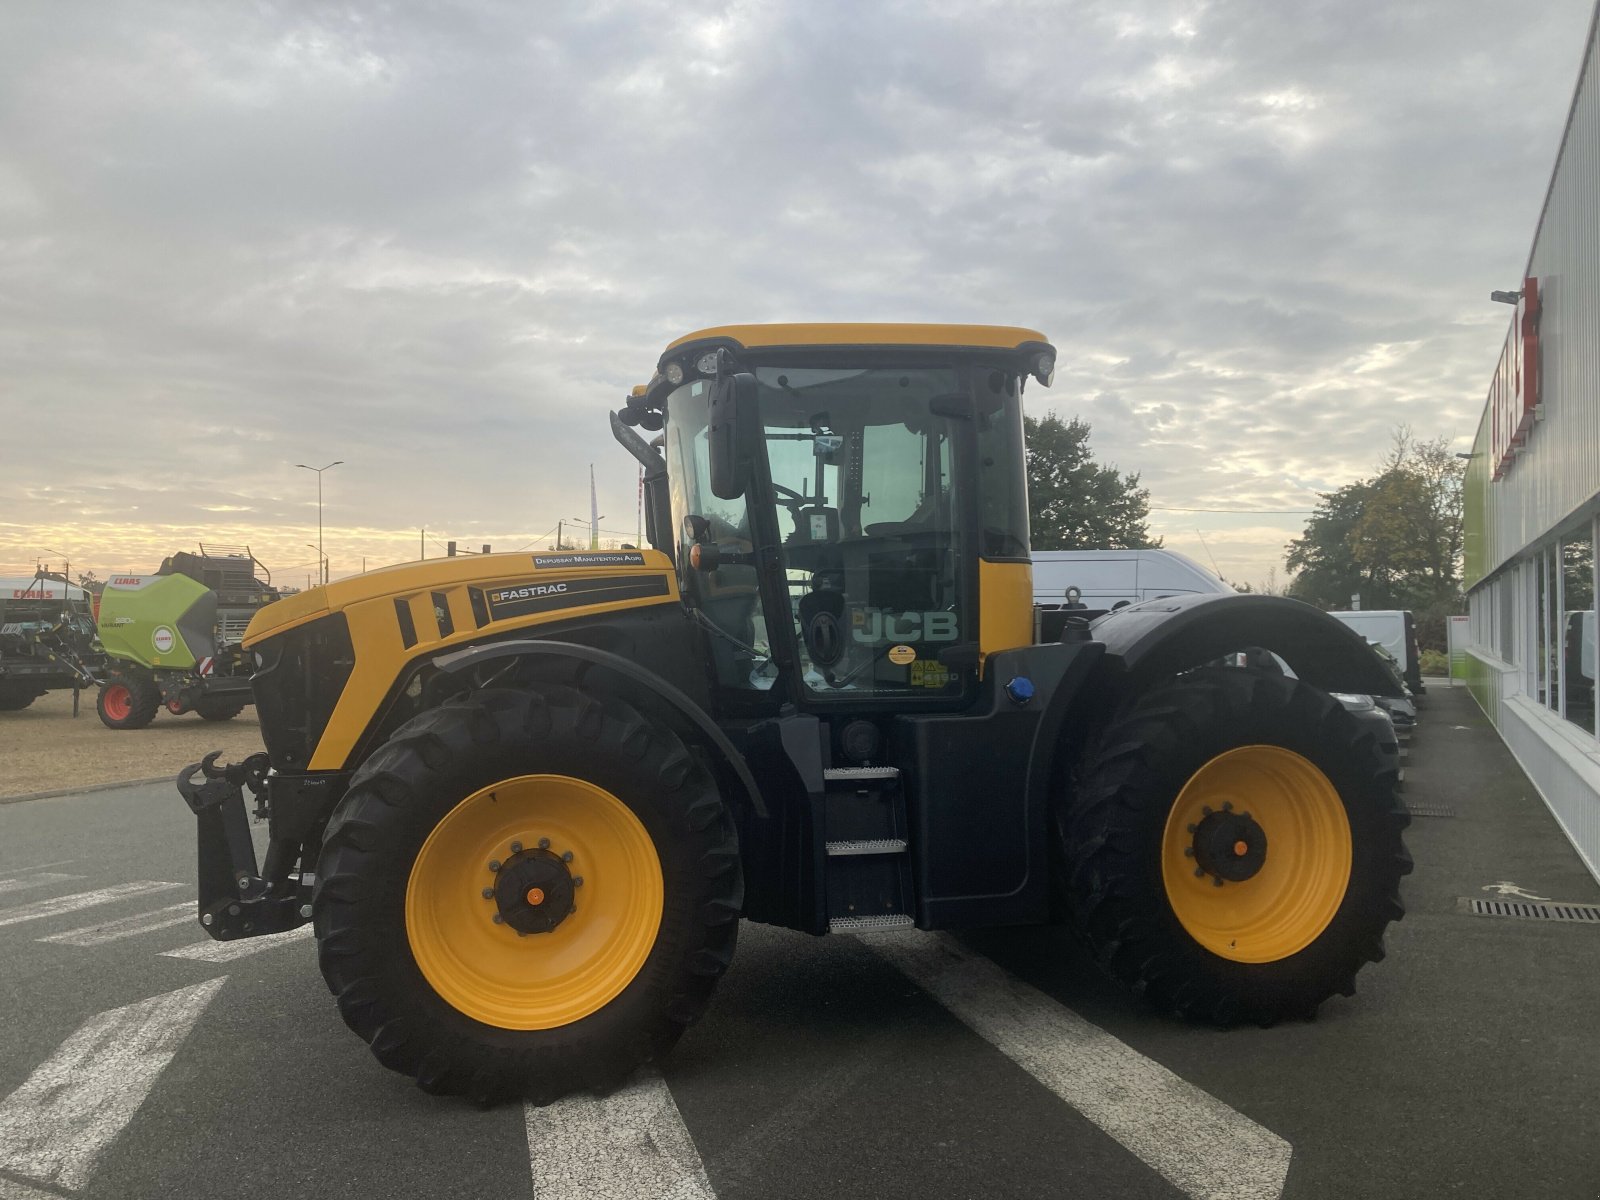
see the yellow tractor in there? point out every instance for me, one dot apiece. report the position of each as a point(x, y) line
point(526, 798)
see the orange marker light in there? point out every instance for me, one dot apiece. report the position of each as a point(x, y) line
point(535, 896)
point(1239, 849)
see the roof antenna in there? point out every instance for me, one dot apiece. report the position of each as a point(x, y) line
point(1207, 549)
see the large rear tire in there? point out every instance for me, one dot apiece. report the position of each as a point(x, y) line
point(1232, 848)
point(481, 959)
point(128, 701)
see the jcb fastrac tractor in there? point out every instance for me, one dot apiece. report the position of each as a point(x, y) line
point(526, 798)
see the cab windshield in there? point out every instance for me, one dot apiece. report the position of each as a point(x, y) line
point(883, 486)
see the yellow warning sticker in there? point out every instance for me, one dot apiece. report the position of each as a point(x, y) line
point(901, 655)
point(929, 674)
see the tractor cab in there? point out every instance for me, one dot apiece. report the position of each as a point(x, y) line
point(836, 499)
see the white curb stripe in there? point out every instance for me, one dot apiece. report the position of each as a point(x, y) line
point(1195, 1141)
point(79, 900)
point(225, 952)
point(33, 881)
point(56, 1125)
point(629, 1144)
point(110, 931)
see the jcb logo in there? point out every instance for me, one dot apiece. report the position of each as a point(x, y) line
point(872, 628)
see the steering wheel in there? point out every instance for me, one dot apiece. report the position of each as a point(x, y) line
point(798, 500)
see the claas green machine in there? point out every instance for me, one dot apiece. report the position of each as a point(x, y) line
point(526, 798)
point(172, 638)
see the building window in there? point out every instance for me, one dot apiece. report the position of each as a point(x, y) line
point(1577, 628)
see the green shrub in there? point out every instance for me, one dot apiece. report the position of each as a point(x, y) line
point(1434, 662)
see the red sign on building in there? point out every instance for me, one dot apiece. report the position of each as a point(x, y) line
point(1514, 393)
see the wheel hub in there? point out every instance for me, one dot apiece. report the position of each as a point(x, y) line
point(1229, 846)
point(534, 890)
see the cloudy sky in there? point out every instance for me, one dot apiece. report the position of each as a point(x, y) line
point(439, 241)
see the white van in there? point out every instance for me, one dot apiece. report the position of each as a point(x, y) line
point(1102, 579)
point(1393, 630)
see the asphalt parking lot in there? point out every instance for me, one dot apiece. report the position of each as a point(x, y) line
point(139, 1059)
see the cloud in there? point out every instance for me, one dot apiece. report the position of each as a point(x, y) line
point(439, 243)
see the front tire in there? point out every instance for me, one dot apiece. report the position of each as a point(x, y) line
point(1232, 847)
point(620, 945)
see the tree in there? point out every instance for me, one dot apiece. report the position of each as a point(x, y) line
point(1074, 503)
point(1394, 538)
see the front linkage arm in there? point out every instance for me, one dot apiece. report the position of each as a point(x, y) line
point(236, 900)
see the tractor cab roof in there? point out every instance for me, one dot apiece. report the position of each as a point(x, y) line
point(826, 339)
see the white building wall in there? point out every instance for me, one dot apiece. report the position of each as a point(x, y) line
point(1524, 667)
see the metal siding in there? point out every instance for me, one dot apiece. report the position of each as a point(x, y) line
point(1557, 475)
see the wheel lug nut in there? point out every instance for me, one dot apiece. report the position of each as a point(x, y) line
point(1192, 828)
point(499, 920)
point(1227, 806)
point(494, 864)
point(516, 847)
point(1199, 872)
point(1188, 852)
point(577, 881)
point(1206, 808)
point(488, 893)
point(573, 909)
point(1217, 882)
point(566, 856)
point(544, 843)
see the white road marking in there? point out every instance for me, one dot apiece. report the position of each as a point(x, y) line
point(631, 1143)
point(1195, 1141)
point(55, 1126)
point(32, 881)
point(10, 1189)
point(111, 931)
point(223, 952)
point(60, 862)
point(79, 900)
point(1506, 888)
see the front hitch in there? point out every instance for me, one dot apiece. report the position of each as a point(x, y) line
point(235, 900)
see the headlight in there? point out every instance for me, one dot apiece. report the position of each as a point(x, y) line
point(1353, 702)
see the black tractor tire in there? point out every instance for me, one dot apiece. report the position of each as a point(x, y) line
point(1113, 838)
point(16, 697)
point(128, 701)
point(405, 790)
point(219, 709)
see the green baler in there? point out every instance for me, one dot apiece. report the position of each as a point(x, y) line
point(171, 640)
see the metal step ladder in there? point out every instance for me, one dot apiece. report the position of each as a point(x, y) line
point(869, 885)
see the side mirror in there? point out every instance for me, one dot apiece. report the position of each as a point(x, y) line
point(733, 424)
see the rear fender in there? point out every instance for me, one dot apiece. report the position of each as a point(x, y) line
point(1156, 640)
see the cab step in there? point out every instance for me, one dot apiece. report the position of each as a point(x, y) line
point(874, 924)
point(860, 774)
point(867, 846)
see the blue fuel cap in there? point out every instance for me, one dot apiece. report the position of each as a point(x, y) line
point(1020, 689)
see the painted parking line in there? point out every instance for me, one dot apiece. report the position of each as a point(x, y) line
point(1192, 1139)
point(126, 927)
point(224, 952)
point(54, 1127)
point(58, 905)
point(631, 1143)
point(41, 879)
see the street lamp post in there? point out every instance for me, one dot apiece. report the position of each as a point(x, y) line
point(322, 558)
point(594, 530)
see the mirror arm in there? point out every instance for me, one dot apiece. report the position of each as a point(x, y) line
point(649, 457)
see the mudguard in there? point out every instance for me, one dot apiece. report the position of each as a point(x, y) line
point(1157, 639)
point(661, 697)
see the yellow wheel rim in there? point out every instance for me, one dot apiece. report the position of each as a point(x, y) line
point(1299, 866)
point(540, 980)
